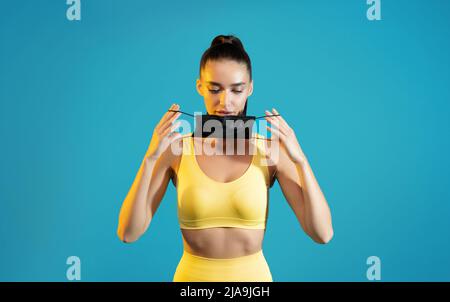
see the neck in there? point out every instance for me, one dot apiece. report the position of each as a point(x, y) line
point(239, 146)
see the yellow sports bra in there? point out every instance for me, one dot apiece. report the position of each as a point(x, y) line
point(206, 203)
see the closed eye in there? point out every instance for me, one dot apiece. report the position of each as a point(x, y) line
point(215, 91)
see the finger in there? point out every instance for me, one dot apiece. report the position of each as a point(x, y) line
point(269, 116)
point(176, 149)
point(161, 121)
point(277, 123)
point(276, 133)
point(174, 136)
point(275, 136)
point(169, 114)
point(170, 129)
point(169, 122)
point(280, 118)
point(283, 122)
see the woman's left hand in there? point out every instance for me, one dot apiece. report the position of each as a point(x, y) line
point(286, 135)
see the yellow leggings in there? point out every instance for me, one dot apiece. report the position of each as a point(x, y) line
point(193, 268)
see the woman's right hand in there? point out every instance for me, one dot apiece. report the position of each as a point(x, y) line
point(164, 133)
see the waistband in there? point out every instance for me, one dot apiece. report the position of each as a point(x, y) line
point(251, 267)
point(255, 256)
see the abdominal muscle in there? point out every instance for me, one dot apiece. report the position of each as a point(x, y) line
point(222, 242)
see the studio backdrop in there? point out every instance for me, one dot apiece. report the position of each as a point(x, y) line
point(364, 84)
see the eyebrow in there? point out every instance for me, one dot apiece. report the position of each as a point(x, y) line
point(218, 84)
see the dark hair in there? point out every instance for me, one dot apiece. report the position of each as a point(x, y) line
point(227, 47)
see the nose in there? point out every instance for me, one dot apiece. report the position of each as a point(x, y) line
point(224, 99)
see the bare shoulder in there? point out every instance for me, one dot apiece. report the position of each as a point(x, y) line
point(269, 154)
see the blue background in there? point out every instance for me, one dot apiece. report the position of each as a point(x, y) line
point(368, 100)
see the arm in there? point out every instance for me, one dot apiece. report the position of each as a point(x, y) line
point(143, 198)
point(303, 193)
point(298, 182)
point(150, 183)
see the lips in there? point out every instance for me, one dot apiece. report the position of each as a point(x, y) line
point(222, 112)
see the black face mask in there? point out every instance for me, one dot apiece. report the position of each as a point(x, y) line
point(231, 126)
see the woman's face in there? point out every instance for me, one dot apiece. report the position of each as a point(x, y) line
point(225, 86)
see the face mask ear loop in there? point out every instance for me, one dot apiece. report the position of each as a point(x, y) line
point(267, 139)
point(266, 115)
point(194, 115)
point(181, 112)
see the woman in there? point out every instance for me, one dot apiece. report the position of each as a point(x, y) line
point(223, 199)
